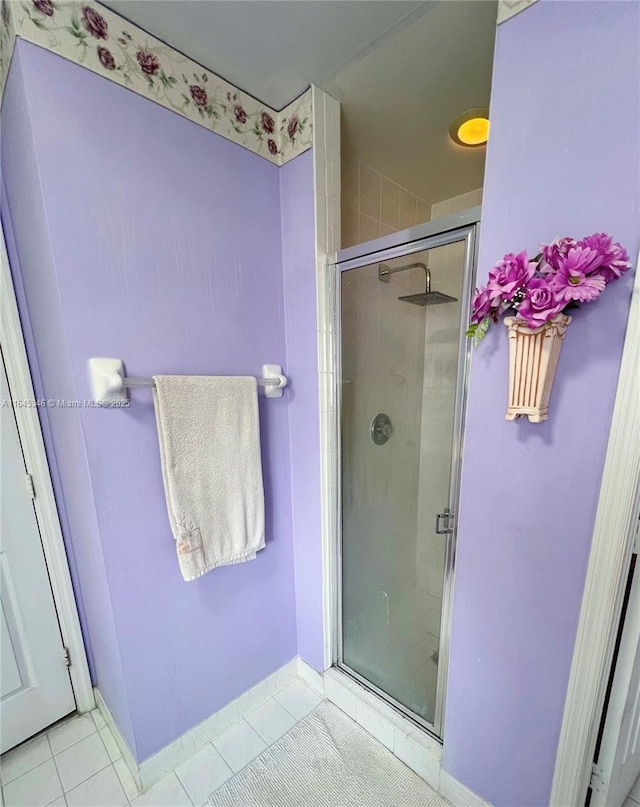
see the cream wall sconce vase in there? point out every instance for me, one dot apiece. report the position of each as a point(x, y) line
point(536, 295)
point(533, 360)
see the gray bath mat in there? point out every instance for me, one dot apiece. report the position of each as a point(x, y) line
point(326, 760)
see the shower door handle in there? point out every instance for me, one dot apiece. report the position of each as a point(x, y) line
point(444, 525)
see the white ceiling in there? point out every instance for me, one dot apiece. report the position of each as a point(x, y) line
point(403, 70)
point(398, 101)
point(272, 50)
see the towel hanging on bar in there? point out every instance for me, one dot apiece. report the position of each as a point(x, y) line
point(209, 438)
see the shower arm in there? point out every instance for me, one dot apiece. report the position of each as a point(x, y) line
point(385, 272)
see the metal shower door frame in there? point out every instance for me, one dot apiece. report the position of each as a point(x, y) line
point(463, 228)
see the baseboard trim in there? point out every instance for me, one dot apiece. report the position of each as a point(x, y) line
point(127, 754)
point(155, 767)
point(152, 769)
point(417, 749)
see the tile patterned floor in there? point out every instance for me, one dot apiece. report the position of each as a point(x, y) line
point(77, 762)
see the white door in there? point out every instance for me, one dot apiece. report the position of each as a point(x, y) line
point(619, 758)
point(35, 688)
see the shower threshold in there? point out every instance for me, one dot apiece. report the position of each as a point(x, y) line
point(414, 720)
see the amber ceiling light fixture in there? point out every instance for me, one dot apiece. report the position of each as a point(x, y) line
point(471, 129)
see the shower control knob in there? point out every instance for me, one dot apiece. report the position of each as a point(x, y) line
point(381, 429)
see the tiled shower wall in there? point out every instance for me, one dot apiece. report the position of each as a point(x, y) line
point(375, 205)
point(438, 395)
point(392, 364)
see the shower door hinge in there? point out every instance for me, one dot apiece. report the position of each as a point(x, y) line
point(444, 522)
point(597, 782)
point(67, 656)
point(31, 489)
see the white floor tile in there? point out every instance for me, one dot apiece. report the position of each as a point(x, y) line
point(36, 788)
point(271, 721)
point(101, 790)
point(71, 732)
point(81, 761)
point(203, 773)
point(126, 779)
point(24, 758)
point(168, 792)
point(110, 744)
point(239, 745)
point(298, 699)
point(98, 719)
point(635, 790)
point(59, 802)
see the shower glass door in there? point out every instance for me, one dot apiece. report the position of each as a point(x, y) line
point(403, 364)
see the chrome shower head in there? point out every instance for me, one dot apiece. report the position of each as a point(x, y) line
point(427, 297)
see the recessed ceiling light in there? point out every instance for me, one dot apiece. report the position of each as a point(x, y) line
point(471, 128)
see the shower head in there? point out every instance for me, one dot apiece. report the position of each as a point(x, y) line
point(427, 297)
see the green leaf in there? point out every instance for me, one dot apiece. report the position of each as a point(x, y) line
point(482, 329)
point(471, 330)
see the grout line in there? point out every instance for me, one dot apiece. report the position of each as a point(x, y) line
point(58, 775)
point(86, 777)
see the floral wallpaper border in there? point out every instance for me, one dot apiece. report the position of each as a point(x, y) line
point(509, 8)
point(95, 37)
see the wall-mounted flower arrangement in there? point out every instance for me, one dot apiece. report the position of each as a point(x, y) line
point(536, 294)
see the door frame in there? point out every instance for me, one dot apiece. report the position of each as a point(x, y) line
point(401, 244)
point(28, 422)
point(609, 560)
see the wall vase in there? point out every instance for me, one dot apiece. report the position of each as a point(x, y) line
point(533, 359)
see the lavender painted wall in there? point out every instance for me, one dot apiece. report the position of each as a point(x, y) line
point(165, 251)
point(563, 159)
point(25, 226)
point(298, 255)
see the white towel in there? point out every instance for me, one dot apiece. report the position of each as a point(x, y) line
point(210, 452)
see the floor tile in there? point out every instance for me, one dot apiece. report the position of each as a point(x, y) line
point(103, 789)
point(59, 802)
point(168, 792)
point(203, 773)
point(110, 744)
point(239, 745)
point(24, 758)
point(298, 699)
point(271, 721)
point(71, 732)
point(98, 719)
point(81, 761)
point(635, 790)
point(126, 779)
point(36, 788)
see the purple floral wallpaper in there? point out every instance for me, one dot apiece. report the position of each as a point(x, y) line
point(97, 38)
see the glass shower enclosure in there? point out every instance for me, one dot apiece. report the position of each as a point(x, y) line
point(403, 307)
